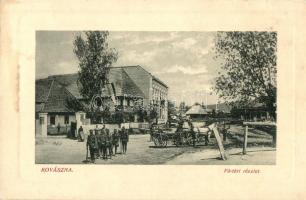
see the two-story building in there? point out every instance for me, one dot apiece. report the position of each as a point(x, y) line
point(58, 100)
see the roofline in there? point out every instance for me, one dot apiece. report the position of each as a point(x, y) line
point(159, 81)
point(154, 77)
point(122, 67)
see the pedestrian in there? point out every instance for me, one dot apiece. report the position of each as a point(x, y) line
point(109, 144)
point(97, 138)
point(206, 137)
point(120, 142)
point(124, 139)
point(102, 132)
point(193, 133)
point(58, 128)
point(91, 145)
point(81, 134)
point(115, 140)
point(103, 144)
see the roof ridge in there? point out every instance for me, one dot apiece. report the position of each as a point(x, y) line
point(43, 107)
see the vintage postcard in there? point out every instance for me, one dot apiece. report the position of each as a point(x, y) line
point(155, 97)
point(152, 100)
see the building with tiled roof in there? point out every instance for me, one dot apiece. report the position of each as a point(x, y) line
point(196, 111)
point(58, 96)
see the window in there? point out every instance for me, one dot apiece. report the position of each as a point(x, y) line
point(66, 119)
point(41, 120)
point(128, 102)
point(52, 120)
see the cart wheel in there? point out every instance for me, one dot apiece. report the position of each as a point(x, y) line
point(155, 140)
point(176, 141)
point(190, 141)
point(161, 141)
point(164, 141)
point(185, 141)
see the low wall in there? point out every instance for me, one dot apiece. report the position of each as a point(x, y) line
point(111, 127)
point(143, 125)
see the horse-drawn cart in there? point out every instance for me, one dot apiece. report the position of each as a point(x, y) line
point(165, 137)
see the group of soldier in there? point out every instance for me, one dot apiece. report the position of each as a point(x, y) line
point(103, 144)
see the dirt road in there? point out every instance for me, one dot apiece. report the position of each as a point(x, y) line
point(140, 151)
point(60, 150)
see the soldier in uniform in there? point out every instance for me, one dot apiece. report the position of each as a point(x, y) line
point(115, 140)
point(124, 139)
point(102, 132)
point(97, 137)
point(91, 145)
point(109, 144)
point(103, 144)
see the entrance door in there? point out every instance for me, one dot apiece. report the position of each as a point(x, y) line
point(72, 130)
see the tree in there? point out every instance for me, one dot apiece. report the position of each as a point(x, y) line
point(248, 68)
point(95, 58)
point(171, 109)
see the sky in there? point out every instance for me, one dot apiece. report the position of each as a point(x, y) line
point(182, 60)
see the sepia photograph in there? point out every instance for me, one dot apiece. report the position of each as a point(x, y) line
point(156, 97)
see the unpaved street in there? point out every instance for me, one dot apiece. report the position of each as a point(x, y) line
point(140, 151)
point(60, 150)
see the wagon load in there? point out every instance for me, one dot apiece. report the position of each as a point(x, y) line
point(182, 136)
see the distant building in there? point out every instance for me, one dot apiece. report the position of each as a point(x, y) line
point(220, 108)
point(197, 112)
point(58, 101)
point(254, 112)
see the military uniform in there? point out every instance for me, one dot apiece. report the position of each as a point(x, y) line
point(124, 136)
point(101, 135)
point(92, 145)
point(103, 146)
point(97, 137)
point(109, 144)
point(115, 140)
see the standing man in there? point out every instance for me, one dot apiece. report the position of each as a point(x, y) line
point(109, 144)
point(193, 133)
point(100, 143)
point(103, 144)
point(97, 138)
point(81, 134)
point(91, 145)
point(115, 140)
point(58, 127)
point(124, 139)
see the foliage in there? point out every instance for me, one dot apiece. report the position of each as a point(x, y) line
point(171, 109)
point(95, 58)
point(248, 68)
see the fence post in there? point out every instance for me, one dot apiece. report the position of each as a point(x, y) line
point(245, 142)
